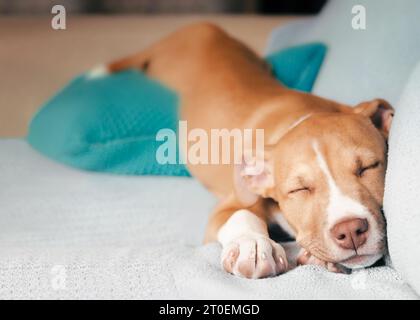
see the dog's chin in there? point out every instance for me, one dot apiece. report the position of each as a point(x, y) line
point(361, 261)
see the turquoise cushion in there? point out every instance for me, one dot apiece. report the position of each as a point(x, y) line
point(297, 67)
point(109, 124)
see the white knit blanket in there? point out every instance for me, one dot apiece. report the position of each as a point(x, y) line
point(65, 233)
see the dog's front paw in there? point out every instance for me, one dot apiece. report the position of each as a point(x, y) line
point(254, 257)
point(305, 257)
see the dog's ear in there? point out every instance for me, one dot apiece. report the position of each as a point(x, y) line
point(254, 177)
point(380, 112)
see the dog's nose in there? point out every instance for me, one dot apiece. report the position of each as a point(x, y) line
point(350, 234)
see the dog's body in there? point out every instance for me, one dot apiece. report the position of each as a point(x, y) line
point(315, 150)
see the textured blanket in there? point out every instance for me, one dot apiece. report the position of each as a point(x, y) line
point(71, 234)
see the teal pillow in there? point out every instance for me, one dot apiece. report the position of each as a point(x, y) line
point(109, 124)
point(297, 67)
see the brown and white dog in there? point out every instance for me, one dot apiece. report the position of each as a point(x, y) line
point(323, 178)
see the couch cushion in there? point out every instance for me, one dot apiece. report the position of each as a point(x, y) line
point(401, 202)
point(360, 64)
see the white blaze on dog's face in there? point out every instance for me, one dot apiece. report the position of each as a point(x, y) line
point(329, 181)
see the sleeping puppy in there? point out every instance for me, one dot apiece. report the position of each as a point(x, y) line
point(324, 162)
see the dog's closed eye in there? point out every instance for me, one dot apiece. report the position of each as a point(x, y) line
point(299, 190)
point(362, 169)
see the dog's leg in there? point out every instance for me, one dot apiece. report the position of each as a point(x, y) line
point(248, 250)
point(138, 61)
